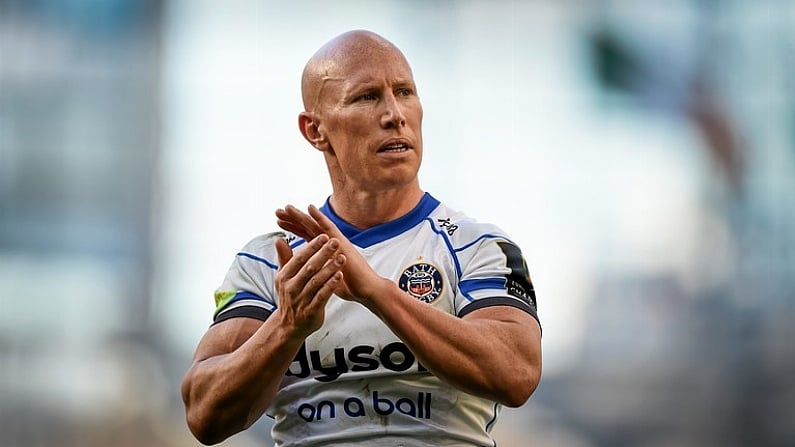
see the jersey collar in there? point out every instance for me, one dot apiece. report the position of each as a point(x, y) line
point(384, 231)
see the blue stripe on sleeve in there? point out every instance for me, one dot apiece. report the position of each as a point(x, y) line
point(243, 295)
point(484, 236)
point(258, 259)
point(470, 285)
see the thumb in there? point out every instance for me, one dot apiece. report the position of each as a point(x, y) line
point(324, 222)
point(283, 251)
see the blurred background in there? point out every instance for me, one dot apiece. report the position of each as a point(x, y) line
point(642, 153)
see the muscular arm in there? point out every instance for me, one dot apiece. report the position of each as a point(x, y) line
point(239, 363)
point(235, 374)
point(494, 352)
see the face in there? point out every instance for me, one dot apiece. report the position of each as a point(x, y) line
point(370, 118)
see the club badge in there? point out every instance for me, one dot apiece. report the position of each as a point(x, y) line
point(422, 281)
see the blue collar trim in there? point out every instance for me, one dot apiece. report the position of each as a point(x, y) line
point(371, 236)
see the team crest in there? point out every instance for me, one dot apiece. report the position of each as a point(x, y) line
point(422, 281)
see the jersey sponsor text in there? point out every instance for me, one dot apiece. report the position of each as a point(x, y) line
point(378, 404)
point(395, 356)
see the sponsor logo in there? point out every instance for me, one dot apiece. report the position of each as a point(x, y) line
point(448, 226)
point(383, 406)
point(422, 281)
point(395, 356)
point(518, 282)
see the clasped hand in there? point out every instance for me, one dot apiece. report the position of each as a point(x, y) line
point(329, 264)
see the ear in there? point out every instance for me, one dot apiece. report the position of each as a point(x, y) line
point(310, 129)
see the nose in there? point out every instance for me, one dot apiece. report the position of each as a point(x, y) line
point(392, 116)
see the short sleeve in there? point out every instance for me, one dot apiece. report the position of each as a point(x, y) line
point(494, 273)
point(247, 290)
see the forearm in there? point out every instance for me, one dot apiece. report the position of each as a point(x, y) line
point(240, 363)
point(493, 352)
point(494, 358)
point(224, 394)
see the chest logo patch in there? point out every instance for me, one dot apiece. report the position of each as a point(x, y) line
point(422, 281)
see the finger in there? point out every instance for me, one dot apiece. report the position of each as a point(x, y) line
point(292, 228)
point(288, 223)
point(304, 220)
point(291, 220)
point(324, 224)
point(293, 266)
point(327, 226)
point(315, 264)
point(282, 214)
point(327, 289)
point(318, 281)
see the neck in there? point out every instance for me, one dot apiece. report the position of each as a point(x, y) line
point(365, 209)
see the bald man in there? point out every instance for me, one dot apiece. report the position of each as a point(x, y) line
point(381, 318)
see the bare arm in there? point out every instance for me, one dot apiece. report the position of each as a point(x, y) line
point(494, 352)
point(240, 363)
point(235, 374)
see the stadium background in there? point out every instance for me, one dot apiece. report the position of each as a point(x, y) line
point(641, 152)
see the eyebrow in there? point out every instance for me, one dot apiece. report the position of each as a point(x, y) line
point(363, 86)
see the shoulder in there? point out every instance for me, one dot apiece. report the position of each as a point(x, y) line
point(262, 248)
point(463, 230)
point(264, 242)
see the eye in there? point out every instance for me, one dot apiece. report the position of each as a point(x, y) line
point(367, 97)
point(405, 92)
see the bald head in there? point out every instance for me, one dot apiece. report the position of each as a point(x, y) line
point(334, 59)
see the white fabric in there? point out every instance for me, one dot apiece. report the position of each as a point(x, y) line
point(355, 382)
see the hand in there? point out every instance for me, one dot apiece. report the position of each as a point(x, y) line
point(306, 281)
point(359, 280)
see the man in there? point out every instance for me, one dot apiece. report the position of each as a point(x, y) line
point(383, 318)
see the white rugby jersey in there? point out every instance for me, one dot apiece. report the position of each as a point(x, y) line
point(354, 382)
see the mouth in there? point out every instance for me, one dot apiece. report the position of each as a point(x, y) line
point(394, 147)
